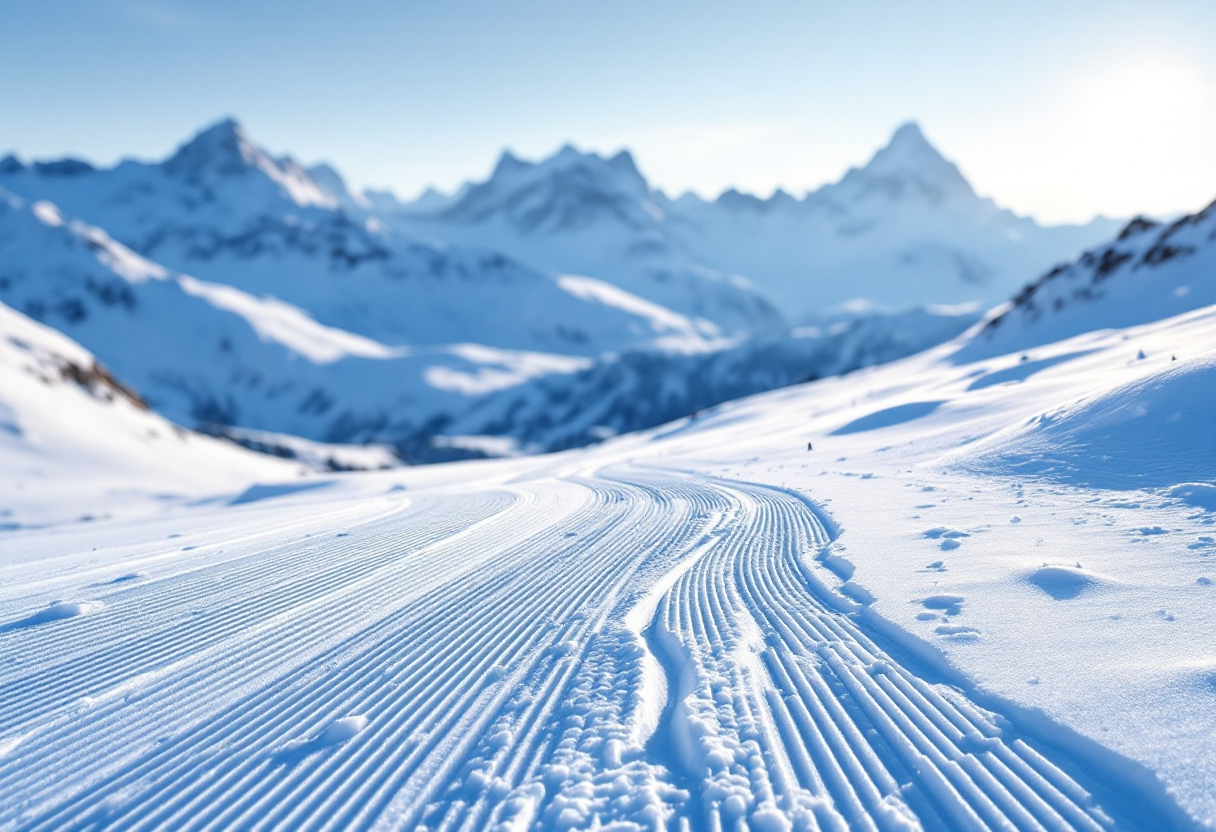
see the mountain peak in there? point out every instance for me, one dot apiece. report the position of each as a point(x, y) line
point(623, 162)
point(907, 150)
point(221, 149)
point(225, 151)
point(909, 165)
point(570, 188)
point(909, 135)
point(569, 156)
point(508, 162)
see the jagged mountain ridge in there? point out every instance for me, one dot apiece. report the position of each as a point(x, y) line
point(905, 228)
point(584, 214)
point(1150, 271)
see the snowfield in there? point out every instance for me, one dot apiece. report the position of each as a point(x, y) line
point(949, 593)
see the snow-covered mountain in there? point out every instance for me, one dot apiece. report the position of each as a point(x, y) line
point(1149, 272)
point(209, 354)
point(214, 356)
point(581, 213)
point(222, 209)
point(906, 228)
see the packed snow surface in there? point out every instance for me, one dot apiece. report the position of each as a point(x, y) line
point(895, 600)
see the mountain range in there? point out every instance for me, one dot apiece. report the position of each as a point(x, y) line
point(905, 229)
point(553, 305)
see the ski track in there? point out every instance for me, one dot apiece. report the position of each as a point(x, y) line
point(482, 637)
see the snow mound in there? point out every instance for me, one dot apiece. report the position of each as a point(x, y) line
point(57, 611)
point(341, 730)
point(1061, 582)
point(1145, 434)
point(1198, 494)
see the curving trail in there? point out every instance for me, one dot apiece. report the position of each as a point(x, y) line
point(628, 646)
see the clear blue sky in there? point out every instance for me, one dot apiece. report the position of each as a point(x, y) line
point(1060, 109)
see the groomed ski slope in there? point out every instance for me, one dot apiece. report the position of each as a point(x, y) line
point(658, 633)
point(504, 657)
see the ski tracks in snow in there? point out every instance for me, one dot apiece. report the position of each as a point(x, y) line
point(628, 649)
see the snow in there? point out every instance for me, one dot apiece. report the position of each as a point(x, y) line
point(56, 611)
point(660, 319)
point(344, 729)
point(1138, 435)
point(690, 626)
point(320, 456)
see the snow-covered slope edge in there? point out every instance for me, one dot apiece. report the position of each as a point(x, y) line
point(75, 444)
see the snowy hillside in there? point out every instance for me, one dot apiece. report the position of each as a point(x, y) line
point(207, 354)
point(77, 445)
point(904, 229)
point(705, 626)
point(1151, 271)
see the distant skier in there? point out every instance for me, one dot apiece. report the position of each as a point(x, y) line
point(808, 446)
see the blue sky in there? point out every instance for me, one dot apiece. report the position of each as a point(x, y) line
point(1060, 109)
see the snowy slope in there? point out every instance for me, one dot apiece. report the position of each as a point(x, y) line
point(1151, 271)
point(906, 228)
point(704, 626)
point(77, 445)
